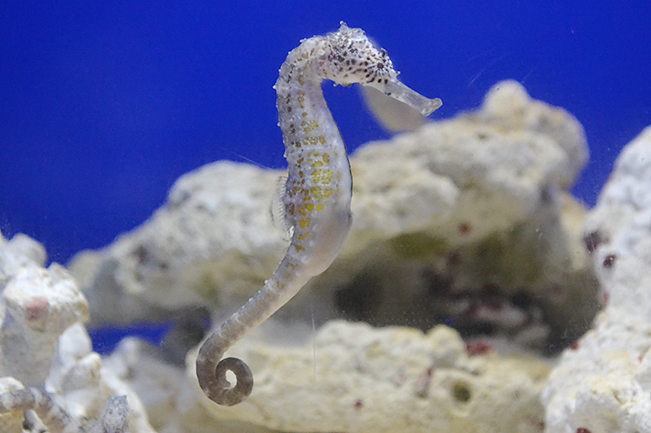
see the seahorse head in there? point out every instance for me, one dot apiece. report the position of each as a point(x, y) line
point(349, 56)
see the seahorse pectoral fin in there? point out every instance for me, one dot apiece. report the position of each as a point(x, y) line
point(402, 93)
point(278, 209)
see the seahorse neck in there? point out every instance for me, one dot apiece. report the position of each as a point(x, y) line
point(300, 100)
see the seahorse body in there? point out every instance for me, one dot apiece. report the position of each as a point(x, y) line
point(318, 189)
point(113, 420)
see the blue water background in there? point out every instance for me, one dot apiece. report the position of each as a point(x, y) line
point(104, 104)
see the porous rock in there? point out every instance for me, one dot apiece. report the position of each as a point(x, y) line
point(213, 243)
point(356, 378)
point(43, 342)
point(171, 400)
point(467, 218)
point(348, 377)
point(11, 422)
point(602, 383)
point(37, 306)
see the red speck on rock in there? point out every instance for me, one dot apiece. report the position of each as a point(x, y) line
point(478, 347)
point(582, 430)
point(592, 241)
point(358, 404)
point(453, 258)
point(605, 297)
point(609, 261)
point(423, 382)
point(36, 309)
point(574, 345)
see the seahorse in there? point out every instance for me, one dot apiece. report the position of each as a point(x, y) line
point(113, 420)
point(318, 189)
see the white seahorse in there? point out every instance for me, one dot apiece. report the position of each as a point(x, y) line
point(318, 189)
point(114, 419)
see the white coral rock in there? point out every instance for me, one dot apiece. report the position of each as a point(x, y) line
point(355, 378)
point(39, 305)
point(43, 341)
point(602, 384)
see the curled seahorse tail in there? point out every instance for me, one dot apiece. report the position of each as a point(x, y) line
point(243, 375)
point(212, 375)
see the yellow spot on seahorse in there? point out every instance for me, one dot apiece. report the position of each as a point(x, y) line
point(305, 223)
point(313, 141)
point(302, 236)
point(320, 207)
point(327, 192)
point(299, 248)
point(309, 207)
point(317, 164)
point(309, 126)
point(301, 210)
point(326, 157)
point(316, 192)
point(322, 176)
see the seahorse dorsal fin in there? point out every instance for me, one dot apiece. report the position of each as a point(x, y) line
point(278, 211)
